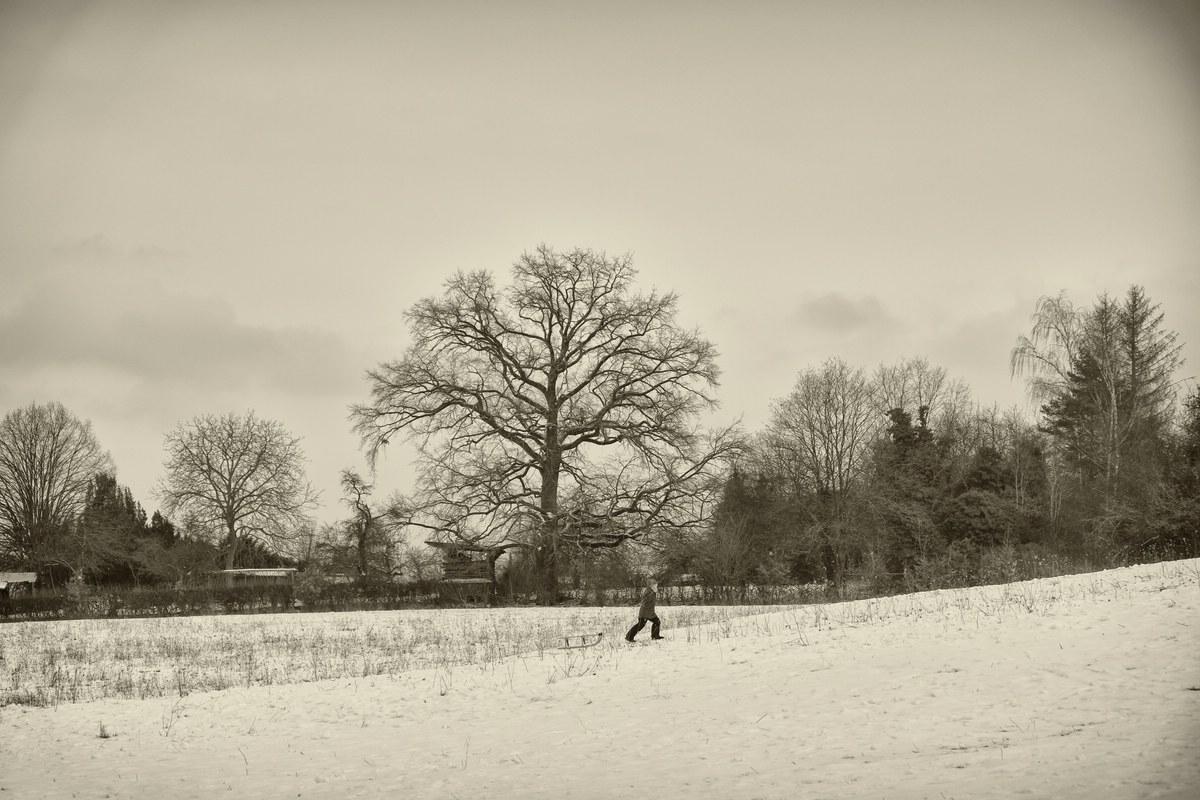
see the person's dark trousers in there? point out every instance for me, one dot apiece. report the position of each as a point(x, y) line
point(641, 623)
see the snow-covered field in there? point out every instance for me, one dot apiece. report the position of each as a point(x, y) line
point(1085, 686)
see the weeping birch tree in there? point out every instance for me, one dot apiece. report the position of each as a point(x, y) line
point(1105, 380)
point(558, 411)
point(372, 531)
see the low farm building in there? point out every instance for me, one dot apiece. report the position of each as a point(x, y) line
point(282, 576)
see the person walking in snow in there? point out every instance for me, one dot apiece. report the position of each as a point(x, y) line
point(646, 613)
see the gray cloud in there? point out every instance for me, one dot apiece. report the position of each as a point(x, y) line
point(95, 309)
point(838, 313)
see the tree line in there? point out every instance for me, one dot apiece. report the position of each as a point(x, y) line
point(64, 515)
point(560, 417)
point(899, 480)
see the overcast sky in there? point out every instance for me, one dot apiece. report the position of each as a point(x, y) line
point(217, 206)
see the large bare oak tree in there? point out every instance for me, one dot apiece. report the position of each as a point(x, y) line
point(561, 410)
point(239, 474)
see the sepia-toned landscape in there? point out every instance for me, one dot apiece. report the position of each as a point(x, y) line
point(552, 399)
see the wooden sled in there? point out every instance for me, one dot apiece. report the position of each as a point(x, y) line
point(581, 640)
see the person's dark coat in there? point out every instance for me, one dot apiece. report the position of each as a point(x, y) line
point(646, 610)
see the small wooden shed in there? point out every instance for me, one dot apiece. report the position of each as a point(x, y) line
point(468, 573)
point(15, 583)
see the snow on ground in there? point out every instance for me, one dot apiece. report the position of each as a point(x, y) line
point(1077, 687)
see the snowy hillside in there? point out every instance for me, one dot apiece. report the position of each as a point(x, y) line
point(1078, 687)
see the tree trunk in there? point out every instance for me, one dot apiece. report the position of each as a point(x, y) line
point(362, 551)
point(830, 562)
point(546, 564)
point(231, 547)
point(547, 553)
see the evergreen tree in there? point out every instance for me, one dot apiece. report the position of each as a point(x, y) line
point(910, 457)
point(988, 472)
point(1153, 355)
point(907, 466)
point(111, 528)
point(978, 516)
point(749, 538)
point(161, 530)
point(1176, 531)
point(116, 541)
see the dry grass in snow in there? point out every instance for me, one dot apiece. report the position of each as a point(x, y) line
point(50, 663)
point(1077, 687)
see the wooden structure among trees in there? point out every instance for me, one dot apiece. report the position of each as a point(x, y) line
point(468, 573)
point(275, 576)
point(14, 583)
